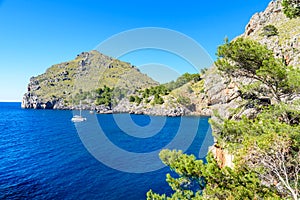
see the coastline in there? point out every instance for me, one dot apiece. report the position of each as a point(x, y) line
point(167, 113)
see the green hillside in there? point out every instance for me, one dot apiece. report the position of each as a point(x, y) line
point(78, 79)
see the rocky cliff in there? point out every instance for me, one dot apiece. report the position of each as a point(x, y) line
point(286, 43)
point(223, 94)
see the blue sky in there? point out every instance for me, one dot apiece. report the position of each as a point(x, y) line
point(36, 34)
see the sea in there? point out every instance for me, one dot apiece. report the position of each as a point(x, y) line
point(44, 155)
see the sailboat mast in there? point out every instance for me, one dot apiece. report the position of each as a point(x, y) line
point(80, 108)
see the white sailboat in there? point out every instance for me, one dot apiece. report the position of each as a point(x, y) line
point(78, 118)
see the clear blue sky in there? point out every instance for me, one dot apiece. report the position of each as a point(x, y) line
point(38, 33)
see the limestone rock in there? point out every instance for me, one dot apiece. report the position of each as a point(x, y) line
point(287, 43)
point(224, 159)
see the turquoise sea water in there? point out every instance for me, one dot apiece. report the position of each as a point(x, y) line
point(43, 156)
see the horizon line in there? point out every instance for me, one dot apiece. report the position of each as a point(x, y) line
point(10, 101)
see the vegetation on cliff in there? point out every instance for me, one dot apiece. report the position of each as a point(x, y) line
point(291, 8)
point(265, 145)
point(154, 95)
point(250, 59)
point(269, 30)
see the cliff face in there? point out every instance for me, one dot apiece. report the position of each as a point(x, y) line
point(286, 44)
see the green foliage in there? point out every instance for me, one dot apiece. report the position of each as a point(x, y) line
point(293, 75)
point(138, 100)
point(147, 101)
point(185, 101)
point(104, 96)
point(101, 96)
point(158, 99)
point(183, 79)
point(157, 92)
point(266, 148)
point(247, 58)
point(160, 90)
point(132, 98)
point(269, 30)
point(135, 99)
point(198, 87)
point(81, 96)
point(268, 144)
point(242, 56)
point(291, 8)
point(277, 119)
point(199, 180)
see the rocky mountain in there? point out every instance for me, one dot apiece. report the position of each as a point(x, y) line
point(61, 86)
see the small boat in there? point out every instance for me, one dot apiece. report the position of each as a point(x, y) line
point(78, 118)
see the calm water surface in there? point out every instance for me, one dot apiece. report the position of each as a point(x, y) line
point(42, 156)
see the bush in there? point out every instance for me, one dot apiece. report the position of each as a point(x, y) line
point(185, 101)
point(138, 100)
point(291, 8)
point(104, 96)
point(131, 99)
point(158, 99)
point(135, 99)
point(183, 79)
point(147, 101)
point(269, 31)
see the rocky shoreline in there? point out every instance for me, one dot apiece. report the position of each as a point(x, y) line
point(32, 102)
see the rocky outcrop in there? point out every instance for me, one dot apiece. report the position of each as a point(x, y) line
point(258, 20)
point(222, 156)
point(31, 100)
point(286, 43)
point(162, 110)
point(221, 93)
